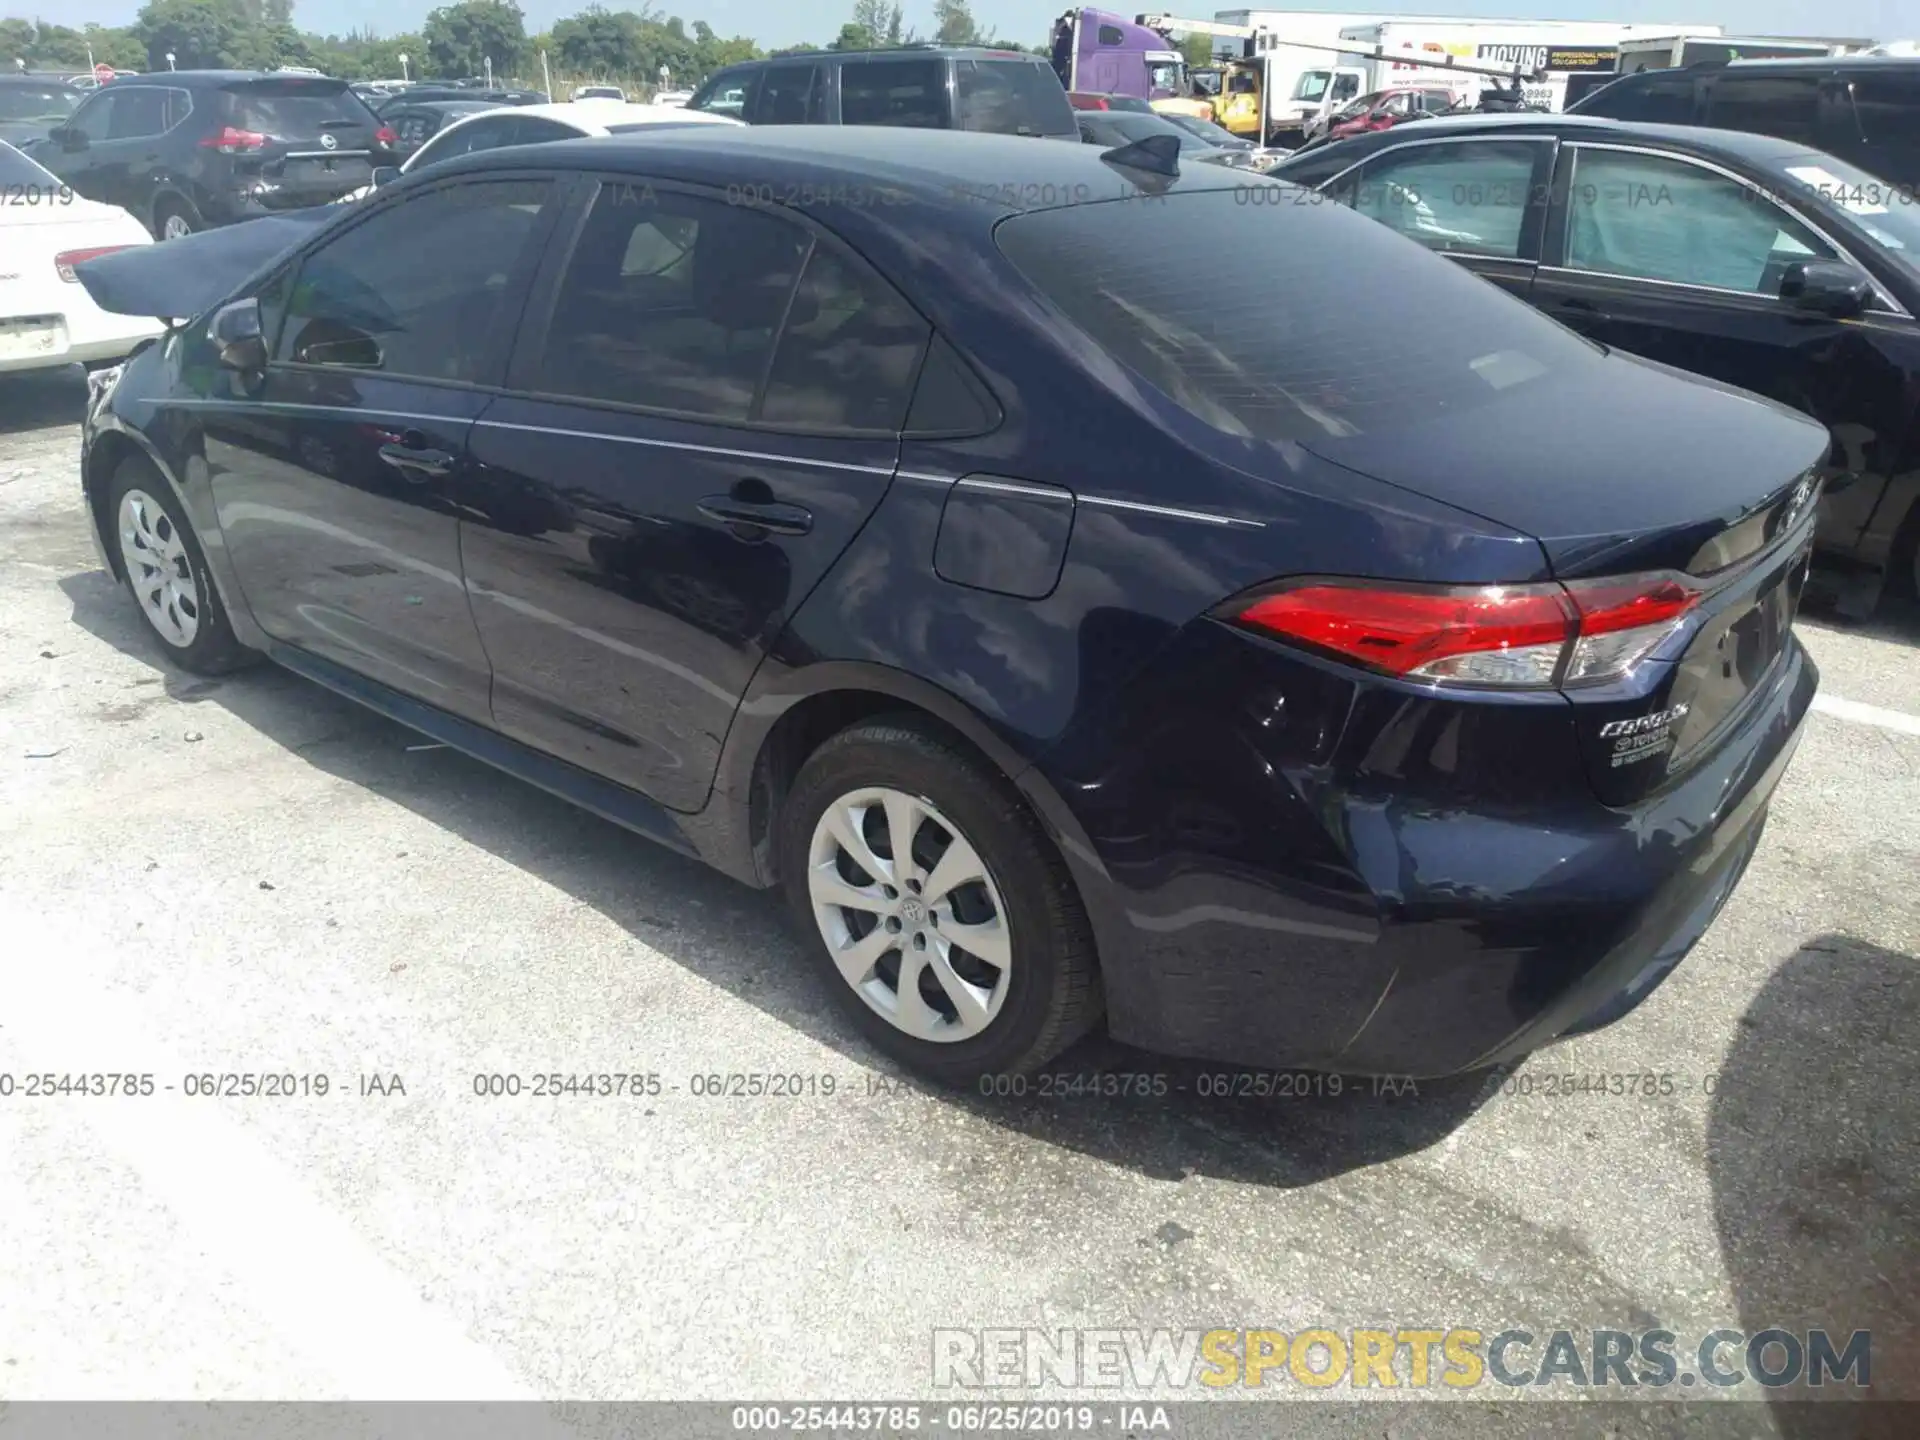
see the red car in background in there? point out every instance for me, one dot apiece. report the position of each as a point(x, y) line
point(1087, 100)
point(1385, 108)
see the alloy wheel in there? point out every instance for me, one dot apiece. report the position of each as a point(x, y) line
point(159, 569)
point(174, 227)
point(910, 914)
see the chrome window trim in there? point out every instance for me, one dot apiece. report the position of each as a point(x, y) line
point(1411, 144)
point(1887, 304)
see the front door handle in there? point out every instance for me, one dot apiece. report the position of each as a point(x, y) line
point(767, 515)
point(418, 460)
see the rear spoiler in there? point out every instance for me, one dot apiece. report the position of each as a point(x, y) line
point(181, 279)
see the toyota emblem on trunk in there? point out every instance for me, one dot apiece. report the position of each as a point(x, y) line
point(1797, 504)
point(327, 142)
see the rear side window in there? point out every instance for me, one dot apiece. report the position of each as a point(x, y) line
point(1786, 106)
point(670, 302)
point(1467, 198)
point(792, 95)
point(138, 112)
point(1011, 97)
point(1889, 109)
point(297, 110)
point(1664, 100)
point(1351, 330)
point(896, 92)
point(847, 357)
point(420, 288)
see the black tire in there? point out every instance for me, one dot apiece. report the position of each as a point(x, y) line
point(212, 648)
point(1052, 994)
point(175, 207)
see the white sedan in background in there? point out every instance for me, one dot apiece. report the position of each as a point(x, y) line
point(46, 317)
point(672, 97)
point(535, 124)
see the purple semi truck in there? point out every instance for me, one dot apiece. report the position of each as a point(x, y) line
point(1095, 52)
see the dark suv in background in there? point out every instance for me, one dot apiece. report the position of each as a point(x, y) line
point(191, 149)
point(1862, 108)
point(1005, 92)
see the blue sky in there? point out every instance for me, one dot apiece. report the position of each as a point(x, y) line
point(787, 22)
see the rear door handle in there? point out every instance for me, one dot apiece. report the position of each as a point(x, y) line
point(769, 515)
point(417, 459)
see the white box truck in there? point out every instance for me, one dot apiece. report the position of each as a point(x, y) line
point(1677, 51)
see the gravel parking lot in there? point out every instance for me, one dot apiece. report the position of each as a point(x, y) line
point(253, 876)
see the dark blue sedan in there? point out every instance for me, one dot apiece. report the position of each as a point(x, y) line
point(1350, 669)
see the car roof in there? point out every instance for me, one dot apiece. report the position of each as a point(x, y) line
point(898, 52)
point(593, 117)
point(1821, 62)
point(222, 77)
point(931, 178)
point(452, 107)
point(1732, 144)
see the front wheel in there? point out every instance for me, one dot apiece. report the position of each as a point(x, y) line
point(166, 569)
point(942, 918)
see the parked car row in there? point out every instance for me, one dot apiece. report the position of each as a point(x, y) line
point(1747, 259)
point(1281, 675)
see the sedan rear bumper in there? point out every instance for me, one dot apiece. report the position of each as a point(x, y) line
point(1291, 910)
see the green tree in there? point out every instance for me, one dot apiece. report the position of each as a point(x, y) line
point(881, 20)
point(954, 23)
point(199, 34)
point(853, 37)
point(461, 38)
point(599, 42)
point(1198, 49)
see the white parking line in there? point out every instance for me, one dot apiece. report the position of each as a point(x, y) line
point(1860, 714)
point(295, 1258)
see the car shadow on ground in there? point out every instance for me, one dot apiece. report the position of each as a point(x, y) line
point(1813, 1151)
point(42, 399)
point(744, 941)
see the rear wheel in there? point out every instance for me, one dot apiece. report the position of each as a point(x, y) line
point(942, 918)
point(167, 572)
point(174, 217)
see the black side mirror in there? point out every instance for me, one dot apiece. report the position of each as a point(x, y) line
point(1826, 287)
point(385, 175)
point(235, 329)
point(68, 138)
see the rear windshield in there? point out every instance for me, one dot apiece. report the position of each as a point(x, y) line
point(1144, 127)
point(1011, 97)
point(51, 103)
point(297, 109)
point(1337, 326)
point(18, 171)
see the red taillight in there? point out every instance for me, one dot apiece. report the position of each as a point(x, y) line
point(64, 262)
point(385, 136)
point(1497, 635)
point(232, 142)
